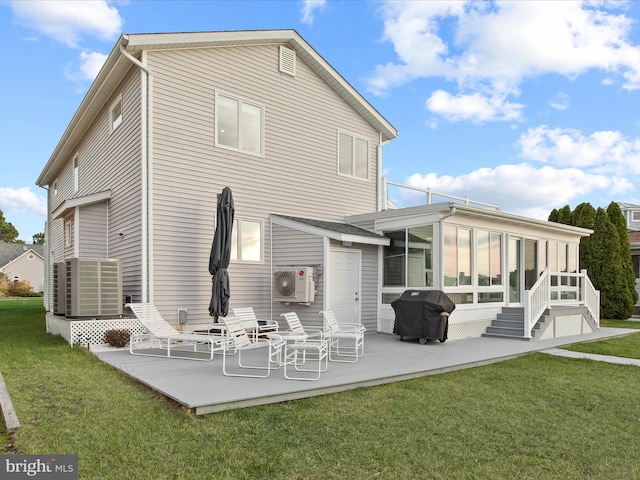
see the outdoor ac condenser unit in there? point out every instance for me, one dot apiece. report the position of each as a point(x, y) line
point(293, 284)
point(59, 287)
point(93, 287)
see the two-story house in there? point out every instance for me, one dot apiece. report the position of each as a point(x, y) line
point(172, 119)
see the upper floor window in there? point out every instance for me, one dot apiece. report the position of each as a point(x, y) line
point(76, 178)
point(239, 124)
point(68, 239)
point(55, 188)
point(353, 156)
point(116, 114)
point(636, 216)
point(246, 240)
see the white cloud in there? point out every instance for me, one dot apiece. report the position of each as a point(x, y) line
point(560, 102)
point(607, 152)
point(309, 7)
point(67, 21)
point(88, 68)
point(474, 107)
point(22, 200)
point(522, 189)
point(492, 46)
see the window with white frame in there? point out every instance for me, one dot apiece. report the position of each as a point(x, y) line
point(246, 240)
point(239, 124)
point(55, 188)
point(116, 114)
point(75, 174)
point(68, 234)
point(353, 155)
point(636, 216)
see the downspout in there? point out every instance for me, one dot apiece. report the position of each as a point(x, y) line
point(146, 249)
point(382, 189)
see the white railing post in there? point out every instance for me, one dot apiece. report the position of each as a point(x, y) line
point(536, 301)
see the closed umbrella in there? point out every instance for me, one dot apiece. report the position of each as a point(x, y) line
point(220, 256)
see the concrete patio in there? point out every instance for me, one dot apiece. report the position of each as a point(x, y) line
point(202, 387)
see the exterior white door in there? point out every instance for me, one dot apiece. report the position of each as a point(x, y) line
point(344, 285)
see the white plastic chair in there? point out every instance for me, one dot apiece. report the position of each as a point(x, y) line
point(237, 335)
point(301, 350)
point(339, 334)
point(163, 340)
point(252, 325)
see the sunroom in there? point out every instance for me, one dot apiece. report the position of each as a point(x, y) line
point(491, 264)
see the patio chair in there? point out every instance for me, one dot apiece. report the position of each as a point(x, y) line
point(254, 327)
point(302, 352)
point(340, 334)
point(163, 340)
point(238, 336)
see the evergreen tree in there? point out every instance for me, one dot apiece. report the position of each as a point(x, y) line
point(617, 218)
point(606, 269)
point(553, 216)
point(8, 233)
point(584, 216)
point(564, 215)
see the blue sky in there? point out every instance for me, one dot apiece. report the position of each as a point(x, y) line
point(528, 105)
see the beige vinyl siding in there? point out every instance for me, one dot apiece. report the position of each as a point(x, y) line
point(107, 161)
point(93, 230)
point(295, 248)
point(297, 175)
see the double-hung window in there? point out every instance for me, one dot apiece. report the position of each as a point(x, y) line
point(239, 124)
point(353, 155)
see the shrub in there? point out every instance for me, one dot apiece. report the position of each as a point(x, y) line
point(117, 338)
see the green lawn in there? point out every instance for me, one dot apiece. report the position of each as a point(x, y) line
point(628, 346)
point(538, 416)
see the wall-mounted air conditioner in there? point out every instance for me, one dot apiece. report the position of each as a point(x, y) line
point(93, 287)
point(293, 284)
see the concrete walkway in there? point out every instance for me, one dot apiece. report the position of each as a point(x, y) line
point(592, 356)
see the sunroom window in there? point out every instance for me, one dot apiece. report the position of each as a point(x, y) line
point(457, 256)
point(408, 261)
point(239, 124)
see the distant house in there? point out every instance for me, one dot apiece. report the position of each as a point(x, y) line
point(631, 214)
point(172, 119)
point(19, 261)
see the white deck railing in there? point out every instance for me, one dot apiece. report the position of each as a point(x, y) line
point(429, 195)
point(536, 301)
point(559, 288)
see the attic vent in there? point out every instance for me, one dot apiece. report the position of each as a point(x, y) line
point(287, 61)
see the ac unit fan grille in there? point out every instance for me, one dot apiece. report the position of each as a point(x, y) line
point(285, 283)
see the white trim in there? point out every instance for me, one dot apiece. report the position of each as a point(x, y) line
point(321, 232)
point(76, 232)
point(83, 201)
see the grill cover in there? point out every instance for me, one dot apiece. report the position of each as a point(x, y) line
point(419, 313)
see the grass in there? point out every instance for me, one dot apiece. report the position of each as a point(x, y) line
point(538, 416)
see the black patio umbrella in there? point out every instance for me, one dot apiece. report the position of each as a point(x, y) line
point(220, 256)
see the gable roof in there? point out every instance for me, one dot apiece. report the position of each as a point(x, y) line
point(11, 251)
point(117, 65)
